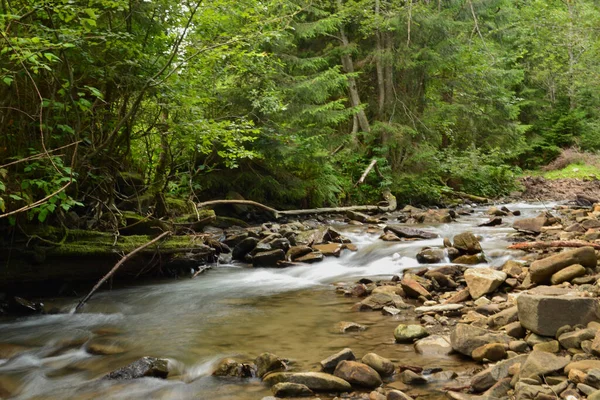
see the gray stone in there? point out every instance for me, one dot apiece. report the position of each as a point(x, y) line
point(488, 377)
point(504, 317)
point(572, 340)
point(542, 363)
point(409, 233)
point(428, 255)
point(530, 224)
point(411, 378)
point(466, 242)
point(383, 366)
point(567, 274)
point(545, 314)
point(269, 258)
point(466, 338)
point(397, 395)
point(142, 368)
point(434, 345)
point(439, 308)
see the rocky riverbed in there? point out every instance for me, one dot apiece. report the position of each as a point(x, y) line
point(413, 304)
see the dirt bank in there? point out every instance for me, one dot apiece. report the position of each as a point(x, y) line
point(538, 188)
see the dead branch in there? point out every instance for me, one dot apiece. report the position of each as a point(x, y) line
point(552, 244)
point(37, 203)
point(364, 175)
point(388, 205)
point(41, 155)
point(116, 267)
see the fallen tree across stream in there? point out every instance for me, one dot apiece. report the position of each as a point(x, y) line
point(389, 204)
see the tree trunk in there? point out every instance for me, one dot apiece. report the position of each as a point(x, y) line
point(388, 72)
point(379, 67)
point(348, 65)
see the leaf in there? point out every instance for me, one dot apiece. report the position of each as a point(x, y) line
point(15, 197)
point(2, 205)
point(8, 80)
point(43, 214)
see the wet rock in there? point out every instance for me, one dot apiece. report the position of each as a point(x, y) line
point(345, 327)
point(358, 374)
point(8, 350)
point(383, 366)
point(434, 345)
point(470, 259)
point(409, 233)
point(358, 216)
point(492, 222)
point(289, 389)
point(296, 252)
point(332, 361)
point(315, 256)
point(466, 338)
point(497, 212)
point(442, 280)
point(409, 333)
point(144, 367)
point(389, 237)
point(21, 306)
point(268, 362)
point(244, 247)
point(467, 243)
point(269, 258)
point(492, 352)
point(232, 368)
point(481, 281)
point(544, 314)
point(567, 274)
point(399, 395)
point(542, 270)
point(317, 381)
point(428, 255)
point(533, 225)
point(411, 378)
point(329, 249)
point(390, 311)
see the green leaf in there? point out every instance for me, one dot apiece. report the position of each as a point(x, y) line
point(8, 80)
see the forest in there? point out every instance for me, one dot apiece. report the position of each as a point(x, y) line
point(109, 105)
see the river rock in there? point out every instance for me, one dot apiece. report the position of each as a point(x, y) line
point(542, 363)
point(481, 281)
point(434, 345)
point(504, 317)
point(269, 258)
point(544, 314)
point(289, 389)
point(443, 280)
point(466, 338)
point(317, 381)
point(409, 233)
point(491, 351)
point(383, 366)
point(144, 367)
point(329, 249)
point(414, 289)
point(438, 308)
point(332, 361)
point(268, 362)
point(567, 274)
point(358, 374)
point(467, 243)
point(595, 347)
point(409, 333)
point(296, 252)
point(542, 270)
point(377, 301)
point(489, 376)
point(572, 340)
point(495, 221)
point(533, 225)
point(428, 255)
point(244, 247)
point(105, 347)
point(346, 326)
point(313, 257)
point(470, 259)
point(399, 395)
point(231, 368)
point(582, 365)
point(358, 216)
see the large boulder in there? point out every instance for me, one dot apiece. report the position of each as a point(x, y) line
point(543, 312)
point(533, 225)
point(567, 274)
point(268, 362)
point(466, 338)
point(317, 381)
point(481, 281)
point(269, 258)
point(542, 270)
point(358, 374)
point(467, 243)
point(409, 233)
point(142, 368)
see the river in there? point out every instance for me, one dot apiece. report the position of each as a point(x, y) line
point(230, 311)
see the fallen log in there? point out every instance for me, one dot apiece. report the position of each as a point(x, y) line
point(552, 244)
point(116, 267)
point(388, 205)
point(364, 175)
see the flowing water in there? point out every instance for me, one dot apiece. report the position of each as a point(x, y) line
point(230, 311)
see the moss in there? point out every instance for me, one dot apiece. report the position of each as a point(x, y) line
point(178, 206)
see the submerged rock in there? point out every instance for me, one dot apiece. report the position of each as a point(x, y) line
point(358, 374)
point(268, 362)
point(317, 381)
point(232, 368)
point(409, 333)
point(142, 368)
